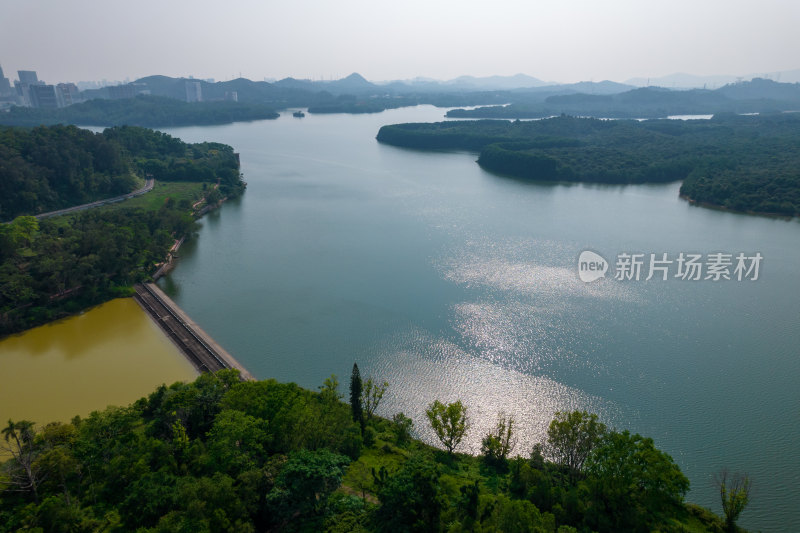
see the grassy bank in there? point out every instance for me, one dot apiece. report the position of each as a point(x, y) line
point(182, 193)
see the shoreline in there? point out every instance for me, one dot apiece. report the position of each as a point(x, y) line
point(220, 358)
point(226, 360)
point(193, 342)
point(65, 368)
point(717, 207)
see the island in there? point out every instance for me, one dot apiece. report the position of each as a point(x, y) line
point(742, 163)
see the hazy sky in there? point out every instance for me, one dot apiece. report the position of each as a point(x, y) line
point(555, 40)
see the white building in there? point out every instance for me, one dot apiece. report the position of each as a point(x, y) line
point(194, 91)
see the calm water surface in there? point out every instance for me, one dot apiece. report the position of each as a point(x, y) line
point(451, 282)
point(111, 354)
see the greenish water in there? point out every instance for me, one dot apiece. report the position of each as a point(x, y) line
point(111, 354)
point(450, 282)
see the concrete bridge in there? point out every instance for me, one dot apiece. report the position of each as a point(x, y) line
point(198, 347)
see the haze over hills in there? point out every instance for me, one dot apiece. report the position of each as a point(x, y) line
point(296, 91)
point(355, 84)
point(681, 80)
point(756, 96)
point(522, 81)
point(167, 101)
point(472, 83)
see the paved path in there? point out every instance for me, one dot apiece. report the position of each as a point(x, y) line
point(198, 347)
point(148, 186)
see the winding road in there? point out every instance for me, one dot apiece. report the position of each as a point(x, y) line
point(148, 186)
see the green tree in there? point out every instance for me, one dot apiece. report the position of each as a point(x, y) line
point(56, 459)
point(355, 396)
point(372, 396)
point(734, 491)
point(515, 516)
point(634, 485)
point(329, 390)
point(305, 482)
point(449, 422)
point(402, 426)
point(24, 230)
point(570, 439)
point(213, 197)
point(496, 446)
point(236, 441)
point(22, 470)
point(411, 498)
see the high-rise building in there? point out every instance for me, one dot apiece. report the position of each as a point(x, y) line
point(23, 93)
point(128, 90)
point(43, 96)
point(67, 94)
point(5, 85)
point(28, 77)
point(194, 91)
point(27, 80)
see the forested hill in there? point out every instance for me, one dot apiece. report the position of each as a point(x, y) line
point(49, 168)
point(221, 455)
point(743, 163)
point(147, 111)
point(755, 96)
point(61, 265)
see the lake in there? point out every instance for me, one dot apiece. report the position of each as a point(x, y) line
point(110, 354)
point(453, 283)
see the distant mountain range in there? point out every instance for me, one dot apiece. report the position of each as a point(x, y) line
point(470, 83)
point(682, 80)
point(357, 85)
point(528, 97)
point(303, 92)
point(756, 96)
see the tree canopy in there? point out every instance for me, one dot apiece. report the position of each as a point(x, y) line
point(743, 163)
point(50, 168)
point(219, 454)
point(144, 110)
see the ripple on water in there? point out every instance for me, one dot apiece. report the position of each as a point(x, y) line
point(422, 368)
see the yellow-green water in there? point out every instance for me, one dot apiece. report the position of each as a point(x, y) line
point(112, 354)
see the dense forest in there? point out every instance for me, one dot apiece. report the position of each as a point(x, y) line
point(221, 455)
point(144, 110)
point(45, 169)
point(57, 266)
point(167, 158)
point(358, 104)
point(743, 163)
point(49, 168)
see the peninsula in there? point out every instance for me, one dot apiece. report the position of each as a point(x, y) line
point(57, 266)
point(741, 163)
